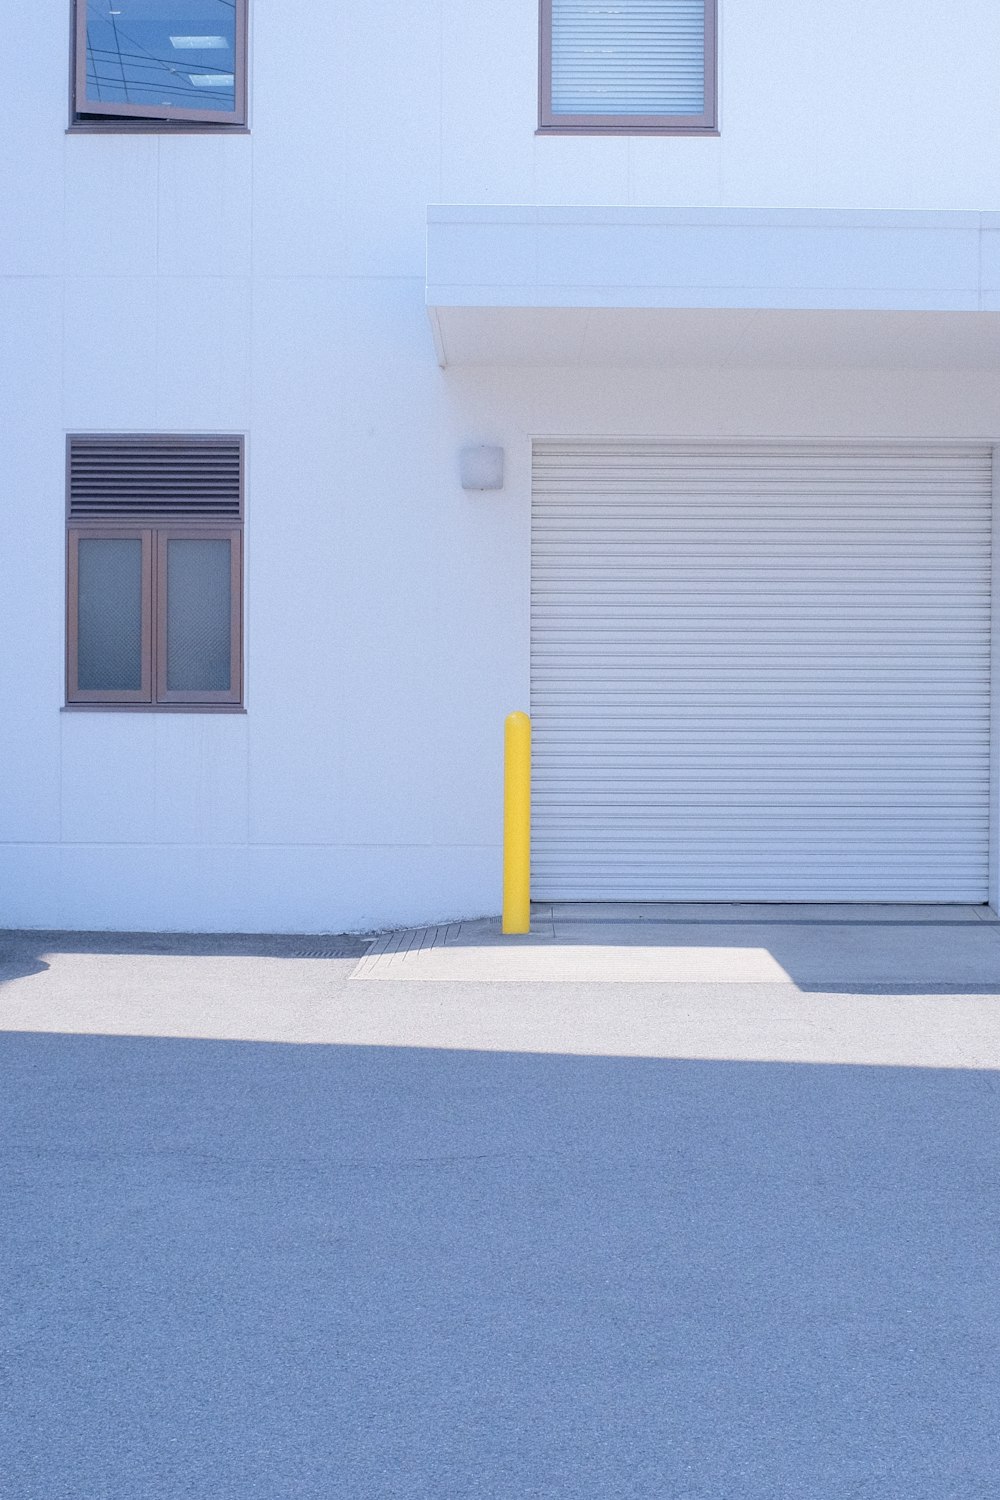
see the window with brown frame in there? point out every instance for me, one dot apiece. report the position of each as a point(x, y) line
point(155, 572)
point(159, 64)
point(635, 67)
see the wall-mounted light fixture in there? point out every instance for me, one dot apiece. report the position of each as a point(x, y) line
point(481, 468)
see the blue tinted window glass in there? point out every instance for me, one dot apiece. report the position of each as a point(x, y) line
point(179, 55)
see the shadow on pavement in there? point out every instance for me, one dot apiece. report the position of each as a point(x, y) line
point(248, 1270)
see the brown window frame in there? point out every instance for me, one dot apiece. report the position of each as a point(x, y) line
point(164, 535)
point(560, 124)
point(84, 116)
point(156, 531)
point(74, 693)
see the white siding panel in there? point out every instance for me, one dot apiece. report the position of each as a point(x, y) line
point(760, 671)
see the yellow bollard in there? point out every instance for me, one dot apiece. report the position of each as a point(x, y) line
point(517, 824)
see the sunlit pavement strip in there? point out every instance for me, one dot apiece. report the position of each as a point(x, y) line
point(883, 986)
point(825, 947)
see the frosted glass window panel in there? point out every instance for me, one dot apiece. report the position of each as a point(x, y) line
point(109, 614)
point(199, 615)
point(175, 53)
point(628, 57)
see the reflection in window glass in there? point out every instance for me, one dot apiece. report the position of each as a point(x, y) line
point(175, 53)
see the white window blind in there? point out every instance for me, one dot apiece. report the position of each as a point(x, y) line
point(628, 57)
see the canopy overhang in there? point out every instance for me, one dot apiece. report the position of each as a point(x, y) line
point(598, 286)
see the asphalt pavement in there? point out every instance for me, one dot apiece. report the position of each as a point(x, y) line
point(279, 1221)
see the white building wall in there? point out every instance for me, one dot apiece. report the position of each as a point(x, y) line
point(272, 283)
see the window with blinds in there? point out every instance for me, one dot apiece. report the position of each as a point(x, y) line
point(635, 66)
point(154, 571)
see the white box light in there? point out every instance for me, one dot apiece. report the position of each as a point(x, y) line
point(482, 468)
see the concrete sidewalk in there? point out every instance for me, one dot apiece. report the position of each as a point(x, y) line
point(278, 1221)
point(885, 986)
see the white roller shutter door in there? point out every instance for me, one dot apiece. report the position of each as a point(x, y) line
point(761, 671)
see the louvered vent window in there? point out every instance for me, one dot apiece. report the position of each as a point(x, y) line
point(155, 529)
point(628, 65)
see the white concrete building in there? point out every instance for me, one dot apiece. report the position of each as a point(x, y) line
point(741, 359)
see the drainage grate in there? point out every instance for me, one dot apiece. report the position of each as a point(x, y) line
point(358, 952)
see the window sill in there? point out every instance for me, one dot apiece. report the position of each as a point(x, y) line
point(675, 130)
point(152, 708)
point(153, 127)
